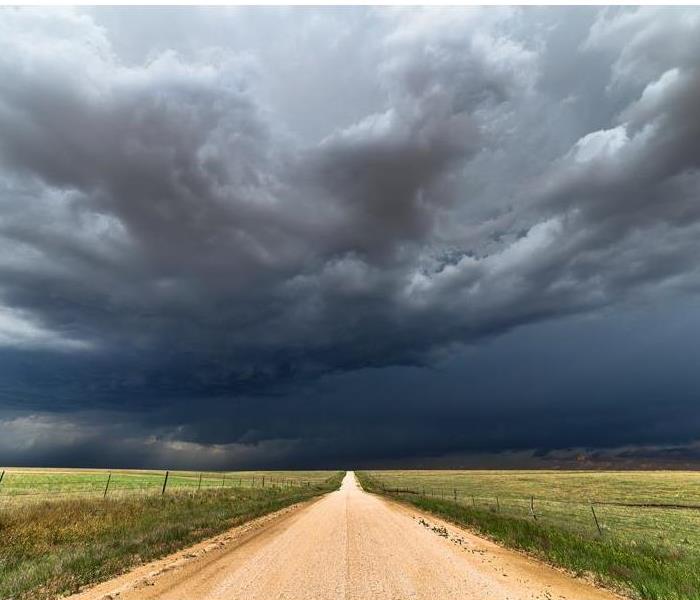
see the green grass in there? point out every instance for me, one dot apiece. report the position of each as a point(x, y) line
point(652, 553)
point(24, 485)
point(50, 548)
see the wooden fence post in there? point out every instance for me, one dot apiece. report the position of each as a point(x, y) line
point(498, 505)
point(199, 483)
point(263, 481)
point(455, 492)
point(595, 518)
point(223, 479)
point(2, 475)
point(165, 482)
point(109, 478)
point(532, 507)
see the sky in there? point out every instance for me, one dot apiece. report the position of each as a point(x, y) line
point(348, 237)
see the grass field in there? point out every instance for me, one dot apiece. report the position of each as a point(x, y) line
point(24, 485)
point(647, 538)
point(50, 546)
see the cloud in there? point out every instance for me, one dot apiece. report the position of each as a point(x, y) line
point(18, 331)
point(54, 441)
point(204, 238)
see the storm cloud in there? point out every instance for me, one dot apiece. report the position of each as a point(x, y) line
point(291, 236)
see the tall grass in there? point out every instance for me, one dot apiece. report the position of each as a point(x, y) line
point(645, 570)
point(52, 548)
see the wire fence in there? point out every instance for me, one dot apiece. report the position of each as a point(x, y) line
point(17, 486)
point(676, 524)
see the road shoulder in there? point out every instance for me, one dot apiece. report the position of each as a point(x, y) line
point(192, 557)
point(506, 562)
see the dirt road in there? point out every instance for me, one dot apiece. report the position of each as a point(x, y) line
point(350, 545)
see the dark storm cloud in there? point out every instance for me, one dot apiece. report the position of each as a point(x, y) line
point(189, 252)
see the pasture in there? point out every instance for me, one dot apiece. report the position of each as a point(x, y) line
point(637, 529)
point(22, 485)
point(58, 531)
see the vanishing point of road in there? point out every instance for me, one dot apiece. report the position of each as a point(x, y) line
point(347, 545)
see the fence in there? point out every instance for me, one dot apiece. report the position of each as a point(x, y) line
point(19, 485)
point(636, 522)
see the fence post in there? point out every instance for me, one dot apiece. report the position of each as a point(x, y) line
point(498, 505)
point(223, 479)
point(199, 483)
point(595, 518)
point(532, 507)
point(455, 491)
point(263, 481)
point(2, 475)
point(165, 482)
point(109, 478)
point(473, 502)
point(253, 481)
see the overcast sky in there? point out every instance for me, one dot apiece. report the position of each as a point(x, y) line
point(260, 237)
